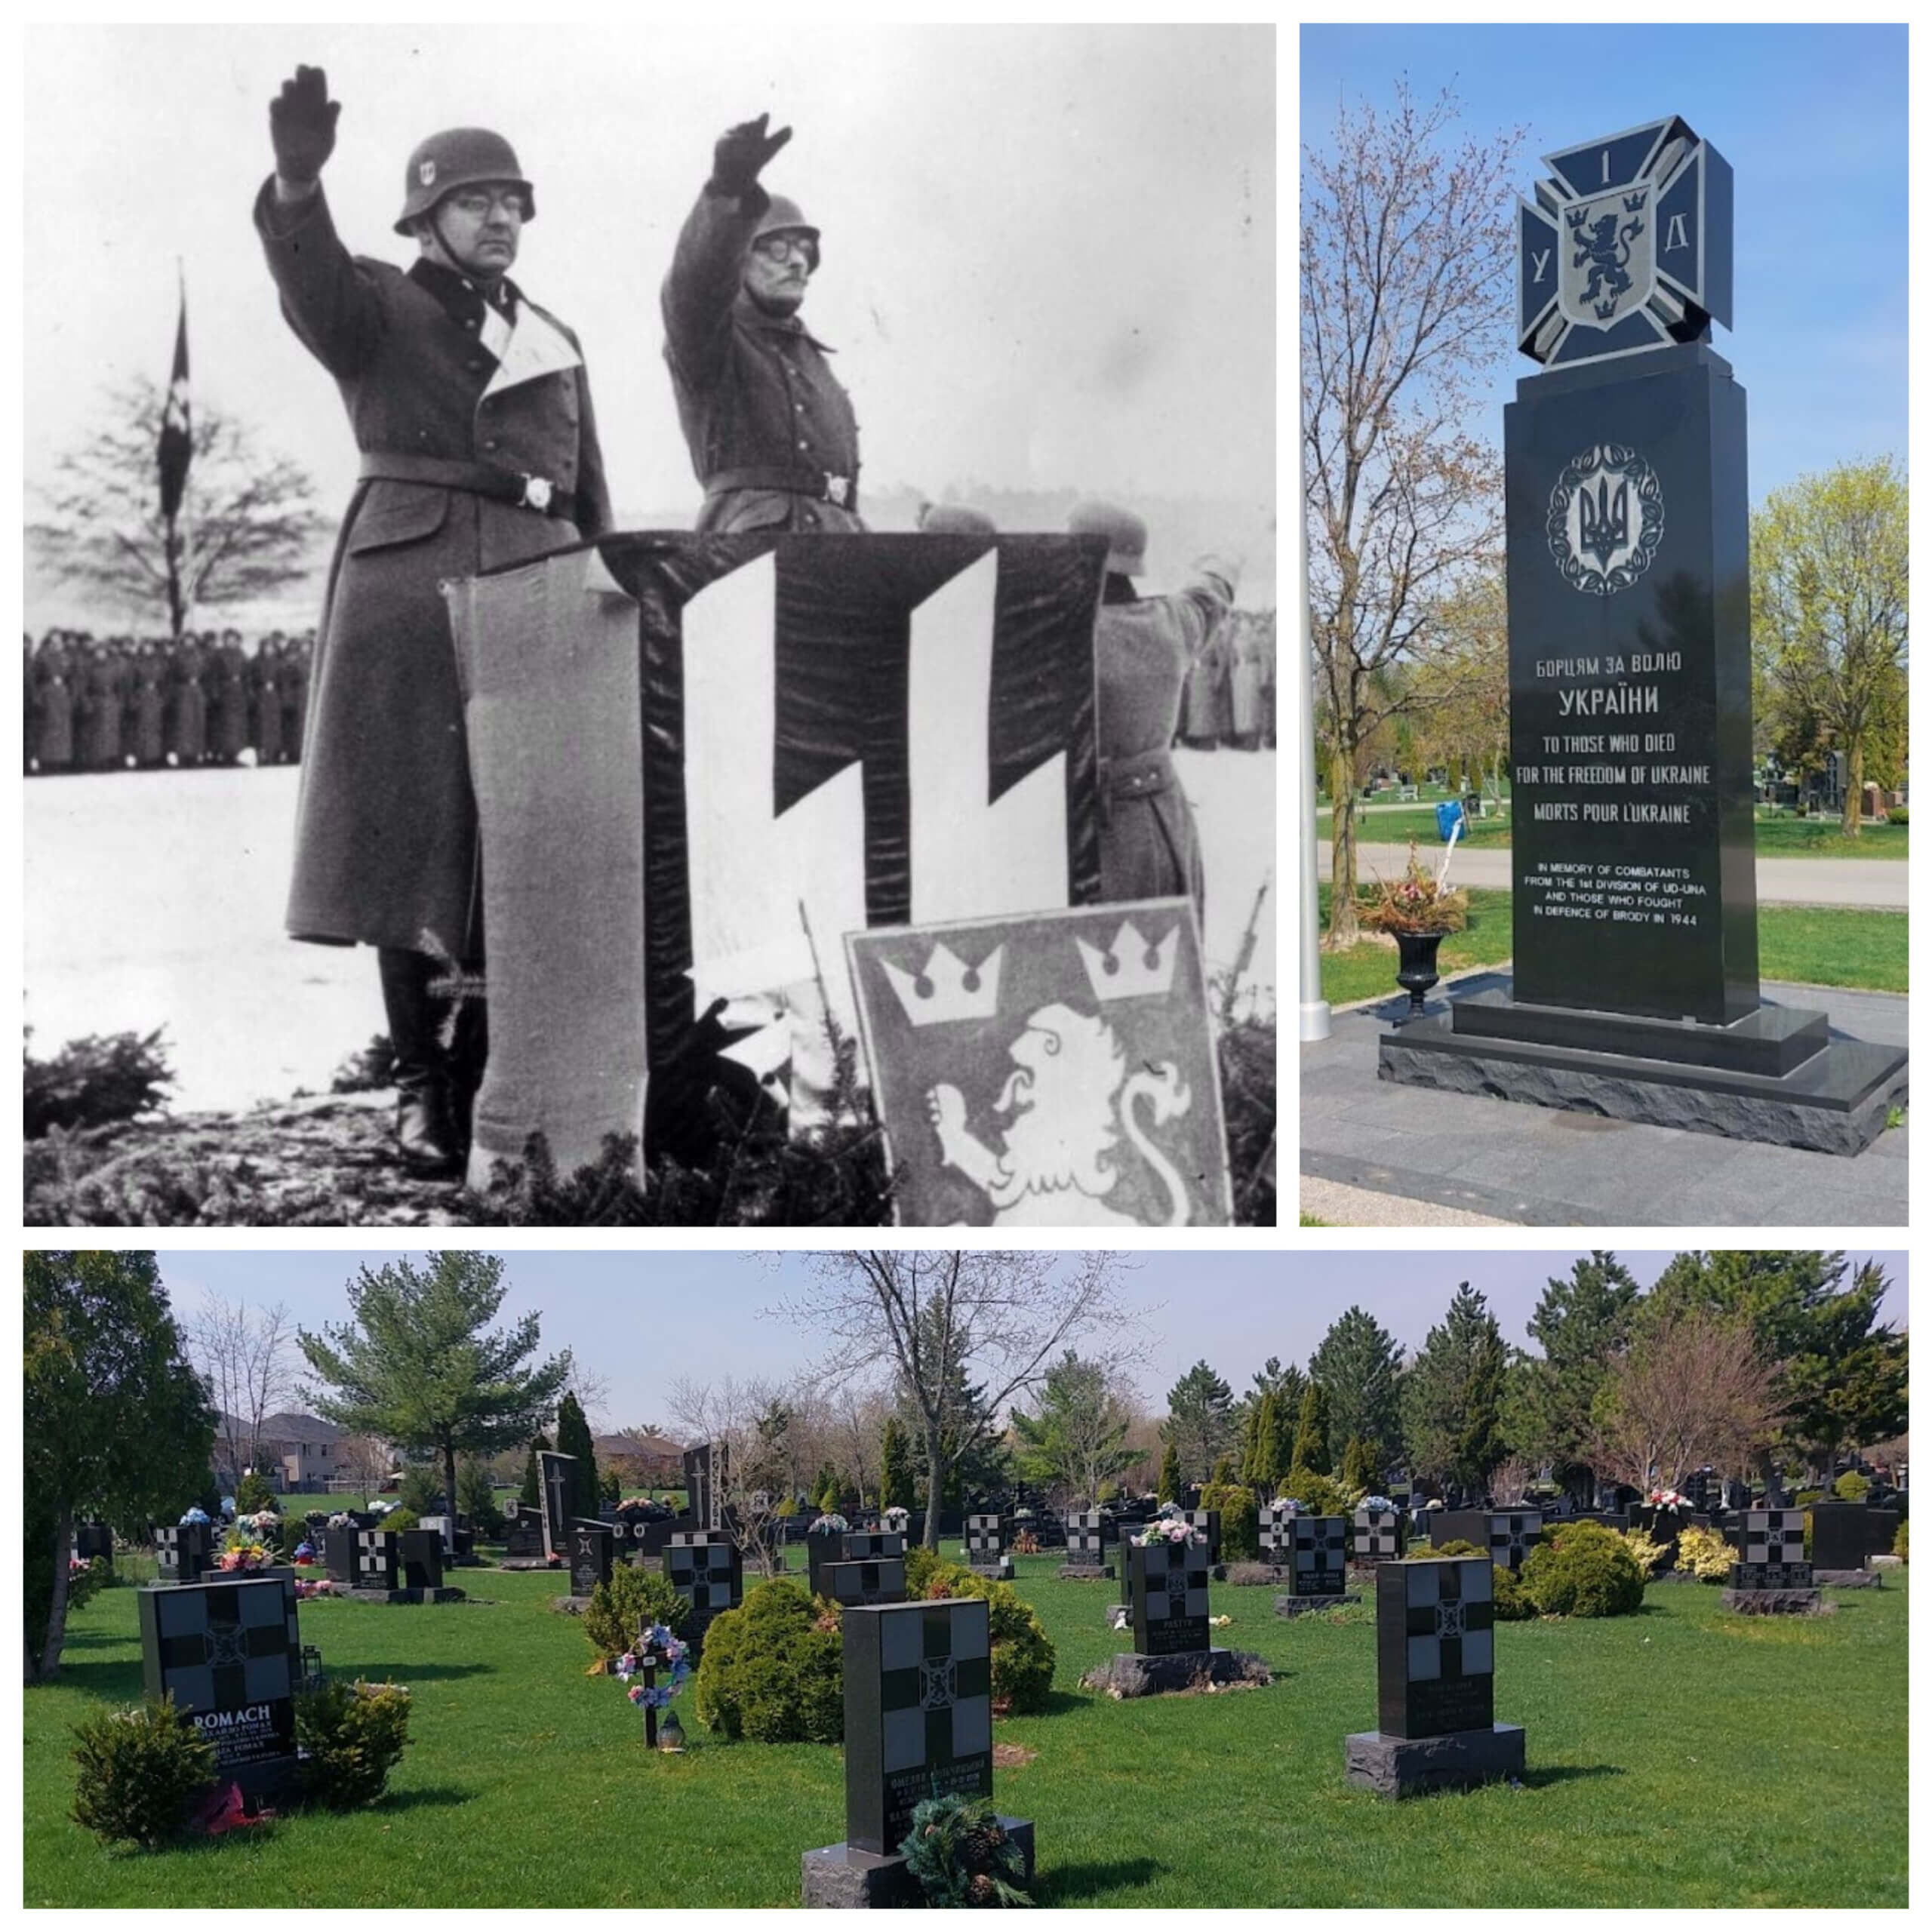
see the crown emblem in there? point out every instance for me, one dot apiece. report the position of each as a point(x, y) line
point(1131, 966)
point(946, 988)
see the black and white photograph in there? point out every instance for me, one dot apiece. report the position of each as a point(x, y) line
point(535, 540)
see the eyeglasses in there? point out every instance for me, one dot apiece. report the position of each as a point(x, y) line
point(479, 201)
point(779, 247)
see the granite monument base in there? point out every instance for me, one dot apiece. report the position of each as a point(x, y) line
point(1849, 1579)
point(1400, 1767)
point(1764, 1077)
point(1288, 1604)
point(1086, 1573)
point(1129, 1673)
point(448, 1593)
point(1777, 1603)
point(526, 1563)
point(841, 1877)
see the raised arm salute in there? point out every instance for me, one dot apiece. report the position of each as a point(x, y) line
point(772, 435)
point(471, 408)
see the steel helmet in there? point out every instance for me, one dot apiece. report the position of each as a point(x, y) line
point(458, 158)
point(1125, 533)
point(785, 216)
point(956, 520)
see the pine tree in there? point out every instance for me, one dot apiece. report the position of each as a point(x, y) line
point(1360, 1471)
point(1311, 1449)
point(1257, 1469)
point(1452, 1396)
point(1200, 1417)
point(530, 1497)
point(574, 1439)
point(1358, 1366)
point(1278, 1450)
point(1170, 1477)
point(895, 1481)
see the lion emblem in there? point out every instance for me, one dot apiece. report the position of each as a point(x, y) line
point(1071, 1098)
point(1606, 249)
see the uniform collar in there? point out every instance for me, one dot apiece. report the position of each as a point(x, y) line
point(750, 315)
point(462, 298)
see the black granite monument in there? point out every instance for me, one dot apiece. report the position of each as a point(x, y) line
point(1087, 1546)
point(707, 1572)
point(1168, 1586)
point(985, 1546)
point(1772, 1576)
point(1846, 1536)
point(592, 1552)
point(230, 1656)
point(1509, 1535)
point(1379, 1537)
point(1636, 992)
point(1318, 1558)
point(183, 1551)
point(1435, 1669)
point(864, 1582)
point(556, 1489)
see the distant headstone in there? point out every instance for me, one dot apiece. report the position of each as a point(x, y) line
point(1317, 1556)
point(418, 1559)
point(1206, 1524)
point(378, 1555)
point(708, 1574)
point(1846, 1536)
point(524, 1535)
point(592, 1547)
point(829, 1547)
point(93, 1540)
point(1435, 1668)
point(707, 1480)
point(556, 1490)
point(985, 1546)
point(230, 1656)
point(1087, 1540)
point(1275, 1525)
point(183, 1551)
point(849, 1584)
point(338, 1548)
point(1771, 1576)
point(1378, 1536)
point(1509, 1535)
point(1168, 1586)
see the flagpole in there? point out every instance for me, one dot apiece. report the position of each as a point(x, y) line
point(171, 499)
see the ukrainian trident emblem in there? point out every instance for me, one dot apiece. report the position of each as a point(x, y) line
point(1606, 519)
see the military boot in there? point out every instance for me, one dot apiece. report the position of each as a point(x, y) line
point(425, 1133)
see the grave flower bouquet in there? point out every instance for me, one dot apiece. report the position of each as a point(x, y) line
point(341, 1520)
point(305, 1552)
point(661, 1651)
point(1383, 1503)
point(195, 1513)
point(314, 1586)
point(828, 1524)
point(243, 1553)
point(1667, 1498)
point(1170, 1529)
point(1416, 902)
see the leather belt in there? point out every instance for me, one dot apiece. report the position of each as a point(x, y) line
point(821, 484)
point(476, 479)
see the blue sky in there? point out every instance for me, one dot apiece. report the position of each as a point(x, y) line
point(1813, 120)
point(642, 1319)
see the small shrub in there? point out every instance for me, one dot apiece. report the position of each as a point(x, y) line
point(1899, 814)
point(88, 1581)
point(1240, 1532)
point(254, 1493)
point(1852, 1487)
point(140, 1773)
point(399, 1520)
point(419, 1492)
point(1899, 1543)
point(633, 1599)
point(350, 1737)
point(1023, 1653)
point(924, 1568)
point(1513, 1603)
point(1320, 1495)
point(1650, 1554)
point(960, 1855)
point(1583, 1570)
point(773, 1669)
point(1422, 1552)
point(95, 1082)
point(1705, 1554)
point(1805, 1498)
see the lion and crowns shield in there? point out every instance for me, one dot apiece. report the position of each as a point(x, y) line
point(1055, 1070)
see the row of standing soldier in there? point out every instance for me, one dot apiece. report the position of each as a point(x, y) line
point(471, 408)
point(116, 703)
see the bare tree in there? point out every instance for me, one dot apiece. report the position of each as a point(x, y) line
point(367, 1461)
point(858, 1421)
point(1406, 253)
point(750, 1419)
point(1693, 1391)
point(247, 1357)
point(936, 1320)
point(247, 525)
point(1509, 1481)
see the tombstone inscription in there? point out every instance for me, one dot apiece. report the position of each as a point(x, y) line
point(229, 1654)
point(1167, 1584)
point(1636, 988)
point(1435, 1672)
point(592, 1553)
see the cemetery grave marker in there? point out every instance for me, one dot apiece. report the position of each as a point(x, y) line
point(1169, 1586)
point(1275, 1526)
point(1086, 1545)
point(1846, 1536)
point(1378, 1536)
point(1317, 1555)
point(555, 1488)
point(849, 1546)
point(985, 1546)
point(1435, 1670)
point(592, 1547)
point(708, 1575)
point(849, 1584)
point(93, 1540)
point(377, 1554)
point(229, 1654)
point(1509, 1535)
point(1206, 1524)
point(183, 1551)
point(1771, 1576)
point(919, 1723)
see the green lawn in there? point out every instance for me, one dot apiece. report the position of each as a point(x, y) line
point(1817, 946)
point(1681, 1758)
point(1777, 837)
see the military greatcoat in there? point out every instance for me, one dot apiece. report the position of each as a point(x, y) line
point(385, 842)
point(1142, 650)
point(756, 397)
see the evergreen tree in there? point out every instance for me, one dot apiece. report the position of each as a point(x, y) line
point(1361, 1471)
point(1359, 1365)
point(1452, 1396)
point(476, 1496)
point(1311, 1449)
point(1170, 1482)
point(416, 1366)
point(1259, 1429)
point(896, 1479)
point(1078, 1440)
point(1200, 1422)
point(1582, 1323)
point(573, 1438)
point(530, 1497)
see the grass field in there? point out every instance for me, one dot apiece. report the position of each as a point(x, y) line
point(1818, 945)
point(1777, 837)
point(1680, 1758)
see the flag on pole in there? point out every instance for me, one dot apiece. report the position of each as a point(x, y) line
point(177, 438)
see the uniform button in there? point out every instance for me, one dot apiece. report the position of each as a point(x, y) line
point(475, 362)
point(799, 407)
point(811, 518)
point(803, 445)
point(470, 324)
point(489, 443)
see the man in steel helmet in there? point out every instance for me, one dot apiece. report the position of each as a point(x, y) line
point(1142, 648)
point(471, 408)
point(772, 435)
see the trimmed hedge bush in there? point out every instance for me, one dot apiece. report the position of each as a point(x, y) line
point(619, 1609)
point(1240, 1519)
point(1705, 1554)
point(141, 1771)
point(1852, 1487)
point(773, 1669)
point(1650, 1553)
point(1512, 1605)
point(351, 1736)
point(1583, 1570)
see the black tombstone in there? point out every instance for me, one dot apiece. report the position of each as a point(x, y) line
point(418, 1559)
point(1207, 1525)
point(592, 1548)
point(919, 1714)
point(338, 1553)
point(708, 1574)
point(556, 1490)
point(183, 1551)
point(1509, 1535)
point(1317, 1556)
point(378, 1555)
point(1167, 1595)
point(1770, 1551)
point(1378, 1536)
point(229, 1654)
point(524, 1537)
point(1087, 1540)
point(1633, 861)
point(706, 1478)
point(986, 1542)
point(1846, 1536)
point(862, 1582)
point(93, 1541)
point(1275, 1526)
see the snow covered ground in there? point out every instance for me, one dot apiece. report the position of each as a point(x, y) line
point(155, 899)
